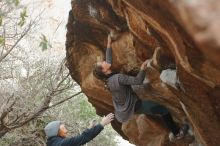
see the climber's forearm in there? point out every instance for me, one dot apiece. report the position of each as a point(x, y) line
point(109, 41)
point(109, 55)
point(109, 51)
point(109, 44)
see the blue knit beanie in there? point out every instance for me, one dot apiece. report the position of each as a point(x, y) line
point(52, 128)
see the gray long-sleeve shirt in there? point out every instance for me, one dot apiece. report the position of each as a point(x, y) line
point(124, 98)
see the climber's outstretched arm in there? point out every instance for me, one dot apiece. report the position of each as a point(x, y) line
point(109, 51)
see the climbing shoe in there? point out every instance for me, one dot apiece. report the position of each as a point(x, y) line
point(183, 131)
point(172, 137)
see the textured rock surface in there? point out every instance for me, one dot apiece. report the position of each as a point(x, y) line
point(182, 35)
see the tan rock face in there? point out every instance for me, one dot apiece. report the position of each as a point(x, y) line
point(181, 36)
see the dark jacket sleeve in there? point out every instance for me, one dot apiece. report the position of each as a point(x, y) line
point(108, 55)
point(83, 138)
point(132, 80)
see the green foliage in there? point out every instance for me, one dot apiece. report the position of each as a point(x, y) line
point(15, 2)
point(23, 16)
point(2, 41)
point(1, 19)
point(87, 109)
point(44, 44)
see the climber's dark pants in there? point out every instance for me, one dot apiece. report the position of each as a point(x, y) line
point(153, 108)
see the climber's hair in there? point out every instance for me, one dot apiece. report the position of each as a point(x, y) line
point(97, 72)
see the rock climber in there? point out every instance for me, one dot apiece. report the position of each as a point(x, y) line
point(57, 133)
point(125, 100)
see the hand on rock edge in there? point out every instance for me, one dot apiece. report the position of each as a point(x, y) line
point(146, 63)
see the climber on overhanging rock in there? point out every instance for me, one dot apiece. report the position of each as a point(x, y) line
point(57, 133)
point(125, 100)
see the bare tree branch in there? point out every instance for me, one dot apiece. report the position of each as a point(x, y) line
point(57, 103)
point(15, 44)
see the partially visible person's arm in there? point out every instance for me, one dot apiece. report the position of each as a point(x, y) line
point(88, 134)
point(133, 80)
point(83, 138)
point(109, 51)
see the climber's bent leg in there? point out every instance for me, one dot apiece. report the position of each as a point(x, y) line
point(153, 108)
point(167, 118)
